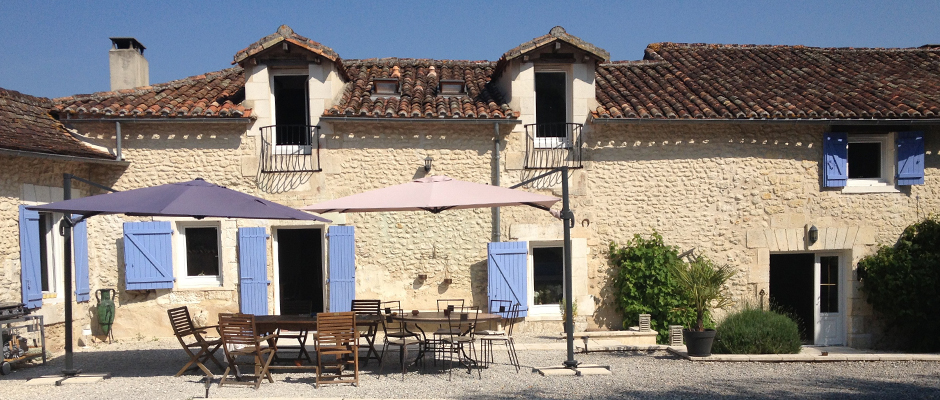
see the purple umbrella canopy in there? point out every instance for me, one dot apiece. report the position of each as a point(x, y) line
point(196, 198)
point(434, 194)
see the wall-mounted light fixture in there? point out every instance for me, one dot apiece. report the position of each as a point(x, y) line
point(812, 235)
point(427, 163)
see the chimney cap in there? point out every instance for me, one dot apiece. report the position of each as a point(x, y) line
point(127, 43)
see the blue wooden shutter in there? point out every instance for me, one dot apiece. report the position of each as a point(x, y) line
point(507, 270)
point(253, 271)
point(835, 159)
point(80, 254)
point(910, 158)
point(30, 265)
point(342, 267)
point(148, 255)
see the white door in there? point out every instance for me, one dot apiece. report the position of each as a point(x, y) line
point(830, 304)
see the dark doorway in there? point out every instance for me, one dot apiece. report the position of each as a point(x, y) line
point(290, 110)
point(300, 263)
point(548, 265)
point(551, 109)
point(791, 289)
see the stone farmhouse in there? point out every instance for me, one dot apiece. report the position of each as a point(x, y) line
point(787, 162)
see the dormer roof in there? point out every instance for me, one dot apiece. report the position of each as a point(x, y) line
point(285, 34)
point(556, 34)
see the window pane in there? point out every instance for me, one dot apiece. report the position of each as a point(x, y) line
point(550, 104)
point(864, 160)
point(548, 274)
point(44, 263)
point(290, 105)
point(202, 252)
point(829, 284)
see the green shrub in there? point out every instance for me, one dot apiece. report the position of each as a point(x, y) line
point(644, 284)
point(901, 282)
point(755, 331)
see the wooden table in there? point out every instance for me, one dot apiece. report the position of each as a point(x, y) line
point(306, 323)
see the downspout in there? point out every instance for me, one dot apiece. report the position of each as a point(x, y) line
point(117, 127)
point(496, 156)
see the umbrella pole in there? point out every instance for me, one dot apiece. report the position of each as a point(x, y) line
point(67, 238)
point(567, 218)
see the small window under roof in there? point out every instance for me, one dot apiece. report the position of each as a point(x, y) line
point(385, 86)
point(453, 86)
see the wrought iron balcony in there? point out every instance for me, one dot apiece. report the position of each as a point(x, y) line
point(553, 145)
point(290, 148)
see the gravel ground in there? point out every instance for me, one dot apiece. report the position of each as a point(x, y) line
point(143, 370)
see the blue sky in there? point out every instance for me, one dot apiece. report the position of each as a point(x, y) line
point(54, 49)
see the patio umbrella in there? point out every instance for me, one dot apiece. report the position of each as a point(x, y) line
point(434, 194)
point(439, 193)
point(197, 199)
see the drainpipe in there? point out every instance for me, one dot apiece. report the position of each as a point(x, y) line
point(496, 234)
point(117, 127)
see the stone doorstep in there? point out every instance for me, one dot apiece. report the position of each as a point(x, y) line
point(593, 345)
point(631, 337)
point(832, 357)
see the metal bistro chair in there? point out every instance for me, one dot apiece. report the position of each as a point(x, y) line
point(337, 337)
point(243, 347)
point(460, 339)
point(191, 338)
point(504, 336)
point(434, 344)
point(397, 335)
point(369, 308)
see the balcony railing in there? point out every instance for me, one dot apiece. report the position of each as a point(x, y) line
point(553, 145)
point(290, 148)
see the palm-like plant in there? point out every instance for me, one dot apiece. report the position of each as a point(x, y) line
point(705, 284)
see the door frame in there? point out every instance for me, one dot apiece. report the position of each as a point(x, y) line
point(277, 265)
point(842, 301)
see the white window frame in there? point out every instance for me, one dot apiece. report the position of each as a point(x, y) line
point(548, 311)
point(553, 142)
point(888, 165)
point(183, 280)
point(55, 268)
point(281, 149)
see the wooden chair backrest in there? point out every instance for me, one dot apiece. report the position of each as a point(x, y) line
point(238, 330)
point(181, 321)
point(366, 307)
point(336, 329)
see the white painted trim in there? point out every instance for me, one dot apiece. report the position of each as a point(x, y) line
point(549, 311)
point(885, 184)
point(183, 280)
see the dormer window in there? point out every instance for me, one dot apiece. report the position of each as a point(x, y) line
point(385, 86)
point(453, 87)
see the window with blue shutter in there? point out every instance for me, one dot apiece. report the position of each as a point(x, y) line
point(253, 271)
point(148, 255)
point(910, 146)
point(835, 159)
point(342, 281)
point(80, 254)
point(507, 270)
point(30, 264)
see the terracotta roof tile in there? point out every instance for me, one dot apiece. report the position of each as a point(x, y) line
point(677, 81)
point(25, 125)
point(212, 95)
point(420, 95)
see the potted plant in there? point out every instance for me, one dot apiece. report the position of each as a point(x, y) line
point(704, 284)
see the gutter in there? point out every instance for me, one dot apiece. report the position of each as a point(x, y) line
point(163, 120)
point(808, 121)
point(419, 120)
point(60, 157)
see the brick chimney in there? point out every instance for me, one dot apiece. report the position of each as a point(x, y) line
point(129, 68)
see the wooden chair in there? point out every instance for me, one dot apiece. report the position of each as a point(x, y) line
point(192, 338)
point(303, 307)
point(369, 308)
point(337, 348)
point(243, 347)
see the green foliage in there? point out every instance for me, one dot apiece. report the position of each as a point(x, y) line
point(901, 283)
point(574, 308)
point(755, 331)
point(704, 284)
point(644, 284)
